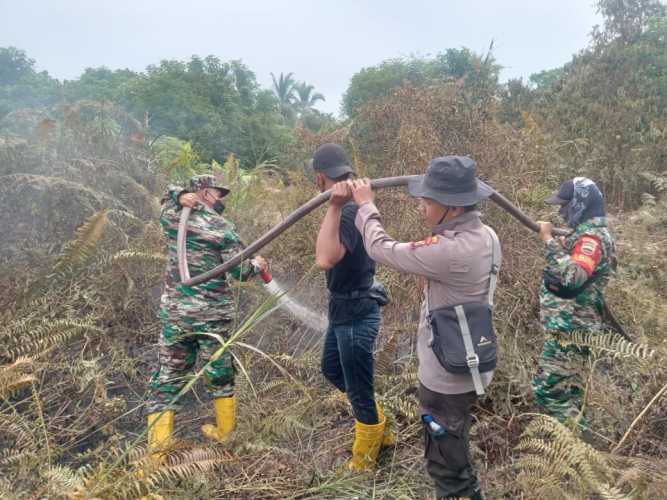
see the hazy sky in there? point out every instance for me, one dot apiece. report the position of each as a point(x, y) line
point(322, 42)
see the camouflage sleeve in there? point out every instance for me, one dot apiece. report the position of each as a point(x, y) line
point(170, 211)
point(571, 274)
point(172, 194)
point(231, 245)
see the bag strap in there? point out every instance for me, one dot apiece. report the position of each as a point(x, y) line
point(472, 360)
point(495, 263)
point(428, 311)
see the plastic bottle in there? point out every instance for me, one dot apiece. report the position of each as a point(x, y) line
point(434, 428)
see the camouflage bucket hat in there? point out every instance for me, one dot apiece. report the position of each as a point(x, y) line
point(199, 182)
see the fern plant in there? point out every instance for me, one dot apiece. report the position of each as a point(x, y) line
point(608, 343)
point(137, 477)
point(79, 250)
point(657, 182)
point(554, 463)
point(22, 435)
point(36, 338)
point(384, 358)
point(126, 257)
point(15, 376)
point(647, 478)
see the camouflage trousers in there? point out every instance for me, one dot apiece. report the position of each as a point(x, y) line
point(559, 384)
point(178, 348)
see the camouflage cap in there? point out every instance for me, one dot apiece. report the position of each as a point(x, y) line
point(199, 182)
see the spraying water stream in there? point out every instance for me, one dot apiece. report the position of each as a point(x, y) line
point(307, 316)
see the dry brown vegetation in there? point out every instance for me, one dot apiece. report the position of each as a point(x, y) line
point(79, 330)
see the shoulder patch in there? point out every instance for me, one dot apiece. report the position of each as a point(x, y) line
point(588, 245)
point(431, 240)
point(587, 253)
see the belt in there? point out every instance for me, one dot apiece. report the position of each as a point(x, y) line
point(351, 295)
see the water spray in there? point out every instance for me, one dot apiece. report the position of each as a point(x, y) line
point(307, 316)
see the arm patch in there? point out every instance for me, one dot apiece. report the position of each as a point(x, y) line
point(586, 253)
point(431, 240)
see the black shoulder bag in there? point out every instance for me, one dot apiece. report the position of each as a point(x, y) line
point(463, 337)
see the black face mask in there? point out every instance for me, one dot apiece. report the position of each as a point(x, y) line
point(563, 211)
point(218, 207)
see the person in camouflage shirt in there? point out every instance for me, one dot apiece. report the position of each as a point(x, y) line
point(191, 315)
point(572, 295)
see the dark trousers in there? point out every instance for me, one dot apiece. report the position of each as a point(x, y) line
point(448, 456)
point(347, 362)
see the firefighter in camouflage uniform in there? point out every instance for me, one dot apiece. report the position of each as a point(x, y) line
point(572, 295)
point(190, 314)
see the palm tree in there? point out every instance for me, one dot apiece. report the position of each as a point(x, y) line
point(306, 97)
point(283, 88)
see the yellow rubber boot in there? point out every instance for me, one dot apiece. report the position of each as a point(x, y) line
point(388, 437)
point(366, 446)
point(225, 417)
point(160, 432)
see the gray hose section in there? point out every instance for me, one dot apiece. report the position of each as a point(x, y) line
point(302, 211)
point(181, 249)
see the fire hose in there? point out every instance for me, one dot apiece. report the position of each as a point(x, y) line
point(312, 204)
point(302, 211)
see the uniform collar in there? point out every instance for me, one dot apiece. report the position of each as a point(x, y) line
point(467, 220)
point(591, 223)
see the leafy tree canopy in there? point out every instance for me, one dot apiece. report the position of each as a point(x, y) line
point(21, 85)
point(475, 71)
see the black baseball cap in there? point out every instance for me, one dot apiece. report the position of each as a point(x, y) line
point(564, 194)
point(331, 160)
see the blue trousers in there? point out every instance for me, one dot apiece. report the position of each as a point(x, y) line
point(347, 362)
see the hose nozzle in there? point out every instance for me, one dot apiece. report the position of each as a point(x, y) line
point(263, 273)
point(266, 277)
